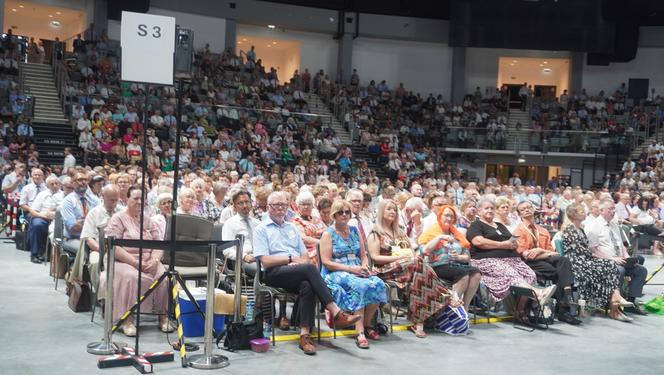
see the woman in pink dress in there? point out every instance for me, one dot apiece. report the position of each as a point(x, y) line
point(126, 225)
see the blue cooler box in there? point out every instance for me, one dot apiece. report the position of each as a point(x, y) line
point(193, 324)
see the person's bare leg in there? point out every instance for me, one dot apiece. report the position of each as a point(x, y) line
point(333, 308)
point(473, 285)
point(369, 313)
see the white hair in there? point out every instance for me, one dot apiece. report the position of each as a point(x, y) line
point(415, 203)
point(305, 197)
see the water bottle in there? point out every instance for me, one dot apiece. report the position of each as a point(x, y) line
point(250, 311)
point(267, 330)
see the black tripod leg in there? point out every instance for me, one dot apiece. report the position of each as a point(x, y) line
point(172, 280)
point(141, 299)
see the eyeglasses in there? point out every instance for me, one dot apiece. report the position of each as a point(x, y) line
point(166, 202)
point(344, 212)
point(278, 205)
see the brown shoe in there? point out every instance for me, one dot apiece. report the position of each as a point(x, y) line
point(284, 324)
point(307, 344)
point(344, 319)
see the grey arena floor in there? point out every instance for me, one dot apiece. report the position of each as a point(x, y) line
point(40, 335)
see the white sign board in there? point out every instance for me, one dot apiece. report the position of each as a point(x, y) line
point(148, 44)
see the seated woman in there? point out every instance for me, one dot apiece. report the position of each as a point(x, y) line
point(198, 186)
point(504, 213)
point(187, 202)
point(126, 225)
point(645, 223)
point(347, 274)
point(447, 249)
point(164, 205)
point(493, 252)
point(309, 226)
point(595, 278)
point(468, 210)
point(395, 261)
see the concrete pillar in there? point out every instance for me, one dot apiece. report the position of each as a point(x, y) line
point(576, 73)
point(345, 57)
point(458, 89)
point(231, 34)
point(100, 17)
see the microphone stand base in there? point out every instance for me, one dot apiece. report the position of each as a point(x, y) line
point(214, 361)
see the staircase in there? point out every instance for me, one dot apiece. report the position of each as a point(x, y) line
point(517, 140)
point(52, 129)
point(317, 107)
point(360, 154)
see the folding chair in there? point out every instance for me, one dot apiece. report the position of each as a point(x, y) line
point(260, 289)
point(522, 308)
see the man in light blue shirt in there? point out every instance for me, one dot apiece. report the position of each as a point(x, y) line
point(75, 208)
point(281, 251)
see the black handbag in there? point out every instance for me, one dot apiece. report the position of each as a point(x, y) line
point(21, 241)
point(79, 296)
point(238, 334)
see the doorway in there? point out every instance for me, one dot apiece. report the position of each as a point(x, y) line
point(547, 77)
point(281, 54)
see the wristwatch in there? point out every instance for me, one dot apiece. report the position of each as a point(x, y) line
point(290, 259)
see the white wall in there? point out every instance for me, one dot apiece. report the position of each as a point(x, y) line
point(422, 67)
point(318, 51)
point(647, 64)
point(482, 64)
point(206, 29)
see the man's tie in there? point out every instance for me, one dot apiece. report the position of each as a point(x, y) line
point(360, 227)
point(84, 203)
point(250, 234)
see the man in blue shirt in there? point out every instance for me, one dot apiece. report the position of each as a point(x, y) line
point(75, 208)
point(283, 256)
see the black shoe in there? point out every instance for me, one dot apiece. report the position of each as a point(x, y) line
point(636, 309)
point(35, 260)
point(569, 318)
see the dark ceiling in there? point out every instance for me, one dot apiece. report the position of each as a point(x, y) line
point(641, 12)
point(436, 9)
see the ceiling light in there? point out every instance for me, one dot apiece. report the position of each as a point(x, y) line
point(514, 61)
point(541, 65)
point(50, 16)
point(13, 9)
point(55, 24)
point(521, 159)
point(239, 42)
point(21, 6)
point(269, 45)
point(545, 62)
point(546, 70)
point(512, 64)
point(58, 13)
point(244, 39)
point(271, 26)
point(274, 42)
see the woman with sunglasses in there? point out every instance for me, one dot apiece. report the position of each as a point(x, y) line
point(347, 274)
point(392, 254)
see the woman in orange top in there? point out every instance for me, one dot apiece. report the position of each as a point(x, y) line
point(447, 251)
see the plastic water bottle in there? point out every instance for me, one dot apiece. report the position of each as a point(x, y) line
point(250, 311)
point(267, 330)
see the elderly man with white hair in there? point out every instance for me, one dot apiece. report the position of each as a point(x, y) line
point(42, 212)
point(283, 256)
point(362, 223)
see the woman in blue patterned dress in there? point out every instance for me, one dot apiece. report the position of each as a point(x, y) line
point(346, 272)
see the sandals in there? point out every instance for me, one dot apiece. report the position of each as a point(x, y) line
point(418, 334)
point(361, 341)
point(371, 333)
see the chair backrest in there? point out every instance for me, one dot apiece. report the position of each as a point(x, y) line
point(102, 247)
point(558, 244)
point(189, 227)
point(58, 226)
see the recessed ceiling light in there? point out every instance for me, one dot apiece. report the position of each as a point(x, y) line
point(274, 42)
point(21, 6)
point(271, 26)
point(546, 70)
point(545, 62)
point(514, 61)
point(541, 65)
point(55, 24)
point(50, 16)
point(58, 13)
point(13, 9)
point(512, 64)
point(244, 39)
point(269, 45)
point(239, 42)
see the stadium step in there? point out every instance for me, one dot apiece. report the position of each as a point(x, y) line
point(52, 130)
point(318, 107)
point(360, 154)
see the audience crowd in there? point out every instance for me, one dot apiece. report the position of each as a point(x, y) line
point(253, 160)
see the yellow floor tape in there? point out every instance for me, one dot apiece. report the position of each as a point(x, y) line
point(396, 328)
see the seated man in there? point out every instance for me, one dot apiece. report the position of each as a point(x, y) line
point(42, 212)
point(241, 223)
point(281, 251)
point(534, 246)
point(75, 208)
point(28, 195)
point(96, 218)
point(604, 240)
